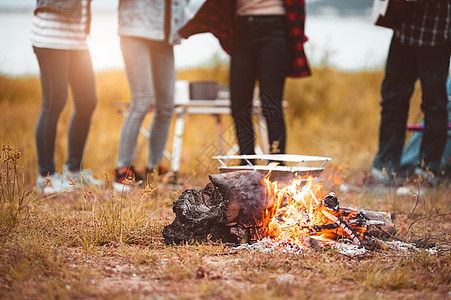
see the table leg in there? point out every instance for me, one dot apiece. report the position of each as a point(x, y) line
point(177, 144)
point(218, 134)
point(263, 134)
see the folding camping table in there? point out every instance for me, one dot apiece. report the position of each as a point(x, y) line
point(185, 105)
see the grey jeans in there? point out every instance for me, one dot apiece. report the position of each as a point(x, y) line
point(60, 69)
point(151, 76)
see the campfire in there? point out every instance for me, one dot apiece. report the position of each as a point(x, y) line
point(245, 207)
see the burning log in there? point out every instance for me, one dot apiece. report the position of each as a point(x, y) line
point(245, 206)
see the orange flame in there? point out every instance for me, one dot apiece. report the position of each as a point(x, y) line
point(298, 210)
point(335, 177)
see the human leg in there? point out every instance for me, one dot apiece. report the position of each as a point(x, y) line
point(433, 65)
point(139, 73)
point(273, 66)
point(243, 74)
point(82, 82)
point(397, 88)
point(53, 65)
point(163, 71)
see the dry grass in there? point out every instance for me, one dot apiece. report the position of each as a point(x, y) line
point(98, 244)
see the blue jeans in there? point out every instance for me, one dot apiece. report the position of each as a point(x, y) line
point(406, 64)
point(260, 52)
point(59, 69)
point(151, 76)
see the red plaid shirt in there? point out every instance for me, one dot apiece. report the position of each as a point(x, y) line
point(216, 16)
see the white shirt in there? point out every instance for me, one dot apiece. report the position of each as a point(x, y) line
point(55, 31)
point(259, 7)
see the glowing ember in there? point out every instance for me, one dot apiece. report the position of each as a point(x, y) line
point(302, 210)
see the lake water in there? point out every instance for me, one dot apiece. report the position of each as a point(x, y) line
point(347, 43)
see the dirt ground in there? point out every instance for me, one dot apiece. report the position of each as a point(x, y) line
point(73, 247)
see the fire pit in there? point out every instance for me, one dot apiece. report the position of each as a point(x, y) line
point(246, 207)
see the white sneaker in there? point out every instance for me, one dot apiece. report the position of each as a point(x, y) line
point(53, 184)
point(121, 187)
point(83, 175)
point(379, 175)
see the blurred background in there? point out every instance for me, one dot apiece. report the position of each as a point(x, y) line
point(340, 34)
point(334, 113)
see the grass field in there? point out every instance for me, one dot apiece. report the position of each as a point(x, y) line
point(95, 243)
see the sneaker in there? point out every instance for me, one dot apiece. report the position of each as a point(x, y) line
point(84, 176)
point(426, 176)
point(125, 179)
point(53, 184)
point(386, 178)
point(159, 170)
point(160, 174)
point(378, 175)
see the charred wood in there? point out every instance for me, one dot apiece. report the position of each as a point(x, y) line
point(378, 224)
point(226, 209)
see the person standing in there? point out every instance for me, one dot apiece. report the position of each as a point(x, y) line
point(58, 36)
point(148, 32)
point(419, 49)
point(265, 39)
